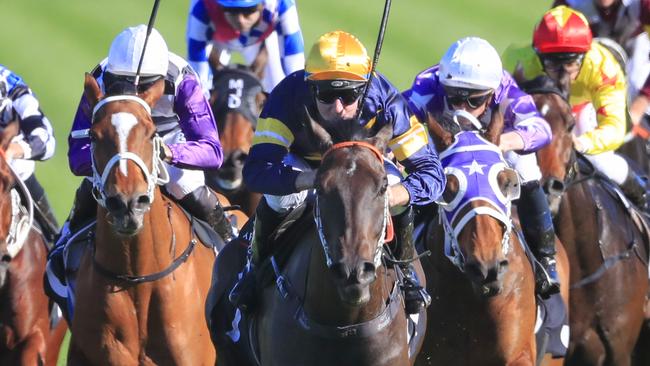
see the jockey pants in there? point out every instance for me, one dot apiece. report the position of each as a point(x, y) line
point(525, 164)
point(284, 204)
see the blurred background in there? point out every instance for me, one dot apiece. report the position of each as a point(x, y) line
point(51, 43)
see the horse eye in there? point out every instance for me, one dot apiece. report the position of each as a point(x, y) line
point(92, 136)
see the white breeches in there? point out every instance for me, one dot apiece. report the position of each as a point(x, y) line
point(284, 204)
point(181, 181)
point(525, 164)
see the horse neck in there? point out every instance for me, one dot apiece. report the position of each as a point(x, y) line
point(146, 252)
point(322, 301)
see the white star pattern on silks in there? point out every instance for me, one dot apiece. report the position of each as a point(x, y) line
point(475, 167)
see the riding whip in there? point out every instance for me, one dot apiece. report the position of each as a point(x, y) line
point(152, 19)
point(375, 59)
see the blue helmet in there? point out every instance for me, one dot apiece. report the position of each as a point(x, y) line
point(238, 3)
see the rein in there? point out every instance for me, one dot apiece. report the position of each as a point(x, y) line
point(387, 232)
point(157, 176)
point(22, 216)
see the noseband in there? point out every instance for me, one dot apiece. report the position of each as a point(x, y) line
point(158, 175)
point(385, 236)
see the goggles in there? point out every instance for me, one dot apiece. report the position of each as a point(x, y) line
point(328, 91)
point(245, 11)
point(145, 82)
point(458, 96)
point(555, 61)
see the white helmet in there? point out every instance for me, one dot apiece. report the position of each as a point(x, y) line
point(126, 49)
point(471, 63)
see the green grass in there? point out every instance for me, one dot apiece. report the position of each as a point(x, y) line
point(52, 43)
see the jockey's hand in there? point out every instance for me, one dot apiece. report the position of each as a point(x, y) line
point(14, 151)
point(577, 144)
point(637, 109)
point(398, 195)
point(166, 153)
point(305, 180)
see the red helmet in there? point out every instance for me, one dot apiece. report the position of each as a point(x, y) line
point(562, 29)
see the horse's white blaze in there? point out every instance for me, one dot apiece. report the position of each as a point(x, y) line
point(123, 123)
point(544, 109)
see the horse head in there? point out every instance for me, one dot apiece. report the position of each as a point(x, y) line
point(351, 209)
point(7, 182)
point(125, 153)
point(557, 158)
point(236, 99)
point(475, 206)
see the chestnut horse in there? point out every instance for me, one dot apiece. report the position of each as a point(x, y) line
point(141, 289)
point(24, 313)
point(482, 283)
point(236, 101)
point(607, 249)
point(337, 301)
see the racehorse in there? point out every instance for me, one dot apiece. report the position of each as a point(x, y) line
point(236, 101)
point(24, 313)
point(606, 244)
point(481, 281)
point(337, 299)
point(141, 288)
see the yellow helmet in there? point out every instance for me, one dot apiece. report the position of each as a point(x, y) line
point(337, 55)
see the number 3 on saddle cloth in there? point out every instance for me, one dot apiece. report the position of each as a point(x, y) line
point(64, 260)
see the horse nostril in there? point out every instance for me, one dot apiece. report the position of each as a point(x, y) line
point(476, 271)
point(6, 258)
point(503, 265)
point(367, 272)
point(340, 271)
point(115, 204)
point(142, 201)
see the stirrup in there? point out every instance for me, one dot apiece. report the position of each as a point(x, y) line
point(415, 296)
point(546, 281)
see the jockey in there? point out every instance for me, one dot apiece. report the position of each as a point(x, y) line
point(215, 28)
point(182, 116)
point(35, 141)
point(563, 48)
point(470, 77)
point(282, 161)
point(624, 22)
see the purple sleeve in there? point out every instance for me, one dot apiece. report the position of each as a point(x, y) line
point(522, 116)
point(202, 150)
point(422, 92)
point(79, 148)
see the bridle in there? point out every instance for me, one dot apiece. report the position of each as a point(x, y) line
point(158, 174)
point(22, 216)
point(387, 232)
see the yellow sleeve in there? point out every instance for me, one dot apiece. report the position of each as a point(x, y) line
point(607, 85)
point(524, 56)
point(273, 131)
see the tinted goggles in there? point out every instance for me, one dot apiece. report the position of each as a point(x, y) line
point(558, 60)
point(456, 97)
point(145, 82)
point(329, 96)
point(246, 11)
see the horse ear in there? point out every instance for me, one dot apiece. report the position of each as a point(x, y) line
point(8, 133)
point(260, 100)
point(380, 140)
point(518, 75)
point(441, 137)
point(321, 137)
point(154, 92)
point(495, 128)
point(91, 90)
point(509, 184)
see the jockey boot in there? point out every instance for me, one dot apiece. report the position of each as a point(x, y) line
point(42, 209)
point(537, 225)
point(205, 205)
point(635, 188)
point(415, 296)
point(83, 209)
point(243, 295)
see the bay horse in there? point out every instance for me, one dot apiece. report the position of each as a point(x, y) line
point(236, 99)
point(141, 289)
point(605, 242)
point(337, 300)
point(482, 282)
point(24, 308)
